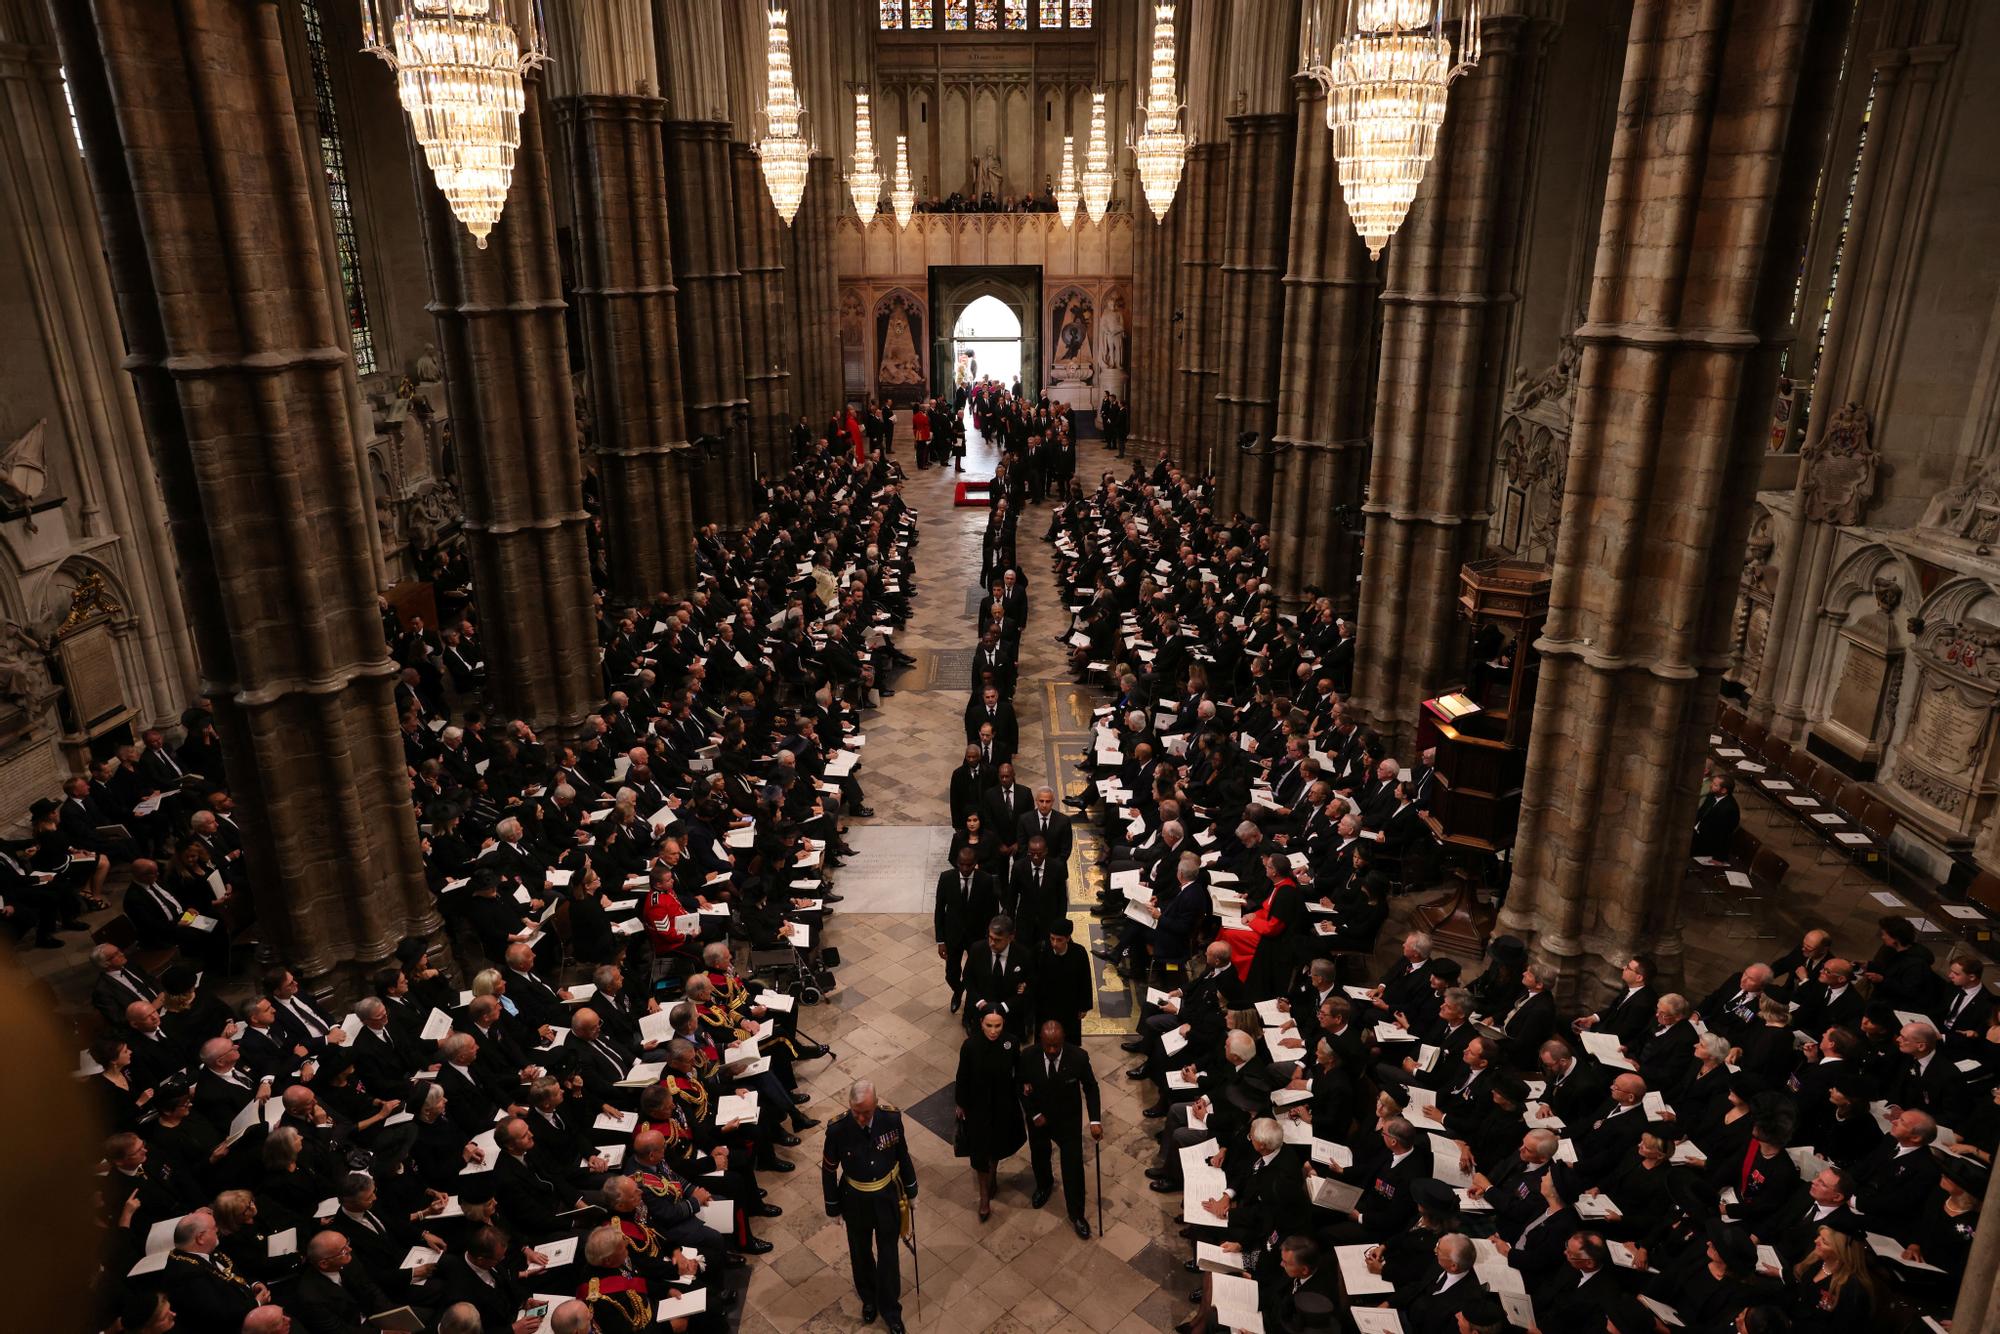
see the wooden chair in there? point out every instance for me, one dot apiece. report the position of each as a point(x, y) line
point(1984, 892)
point(1827, 784)
point(1753, 736)
point(1777, 752)
point(1768, 869)
point(1730, 721)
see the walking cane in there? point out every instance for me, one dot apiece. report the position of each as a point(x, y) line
point(916, 1260)
point(1100, 1185)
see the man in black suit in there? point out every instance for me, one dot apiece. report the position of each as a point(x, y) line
point(300, 1021)
point(1432, 1304)
point(970, 783)
point(1052, 1075)
point(158, 765)
point(995, 658)
point(1038, 895)
point(1588, 1296)
point(600, 1062)
point(987, 709)
point(965, 901)
point(1051, 824)
point(1572, 1085)
point(119, 983)
point(1716, 819)
point(204, 1288)
point(1829, 999)
point(1302, 1271)
point(1062, 985)
point(1609, 1137)
point(1897, 1179)
point(534, 1191)
point(222, 1088)
point(379, 1237)
point(1664, 1054)
point(1967, 1011)
point(164, 922)
point(1629, 1015)
point(1005, 804)
point(472, 1099)
point(997, 978)
point(1529, 1021)
point(1267, 1188)
point(332, 1295)
point(478, 1278)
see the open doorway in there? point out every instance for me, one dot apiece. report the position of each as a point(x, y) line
point(986, 343)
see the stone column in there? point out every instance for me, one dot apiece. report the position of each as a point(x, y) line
point(1326, 377)
point(205, 206)
point(1692, 281)
point(1893, 196)
point(701, 198)
point(51, 222)
point(1194, 415)
point(625, 293)
point(513, 415)
point(761, 245)
point(1448, 305)
point(813, 293)
point(1154, 373)
point(1258, 222)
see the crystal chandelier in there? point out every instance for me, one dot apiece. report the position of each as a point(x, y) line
point(459, 65)
point(783, 149)
point(865, 183)
point(1097, 165)
point(1386, 75)
point(1162, 149)
point(903, 195)
point(1066, 192)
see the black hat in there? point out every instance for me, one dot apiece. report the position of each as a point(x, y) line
point(1568, 1184)
point(1667, 1132)
point(1062, 926)
point(1506, 947)
point(1733, 1246)
point(179, 978)
point(411, 948)
point(1969, 1174)
point(476, 1188)
point(1512, 1088)
point(1448, 969)
point(42, 809)
point(1431, 1193)
point(1746, 1085)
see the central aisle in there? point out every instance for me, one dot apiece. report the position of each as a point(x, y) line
point(1024, 1270)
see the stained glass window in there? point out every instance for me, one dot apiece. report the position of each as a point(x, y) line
point(920, 13)
point(986, 15)
point(1079, 13)
point(1016, 14)
point(1052, 12)
point(892, 13)
point(346, 246)
point(954, 15)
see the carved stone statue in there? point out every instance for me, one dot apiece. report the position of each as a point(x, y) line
point(1840, 469)
point(1888, 593)
point(429, 369)
point(24, 664)
point(1111, 334)
point(986, 174)
point(22, 470)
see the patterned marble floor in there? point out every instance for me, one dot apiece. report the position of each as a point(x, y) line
point(1025, 1269)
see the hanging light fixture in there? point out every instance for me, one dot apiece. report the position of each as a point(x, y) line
point(1067, 197)
point(865, 182)
point(1097, 164)
point(1162, 149)
point(459, 66)
point(903, 195)
point(1386, 74)
point(783, 149)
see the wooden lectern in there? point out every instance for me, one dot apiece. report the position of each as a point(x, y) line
point(1482, 752)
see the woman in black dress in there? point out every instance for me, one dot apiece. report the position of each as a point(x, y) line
point(988, 1094)
point(1832, 1290)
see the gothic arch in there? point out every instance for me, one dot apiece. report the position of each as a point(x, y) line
point(953, 288)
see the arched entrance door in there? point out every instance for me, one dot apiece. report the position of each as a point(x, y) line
point(986, 342)
point(1016, 289)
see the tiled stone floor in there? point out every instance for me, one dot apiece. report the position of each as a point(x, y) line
point(1025, 1269)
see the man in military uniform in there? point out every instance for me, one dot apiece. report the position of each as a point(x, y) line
point(869, 1180)
point(620, 1301)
